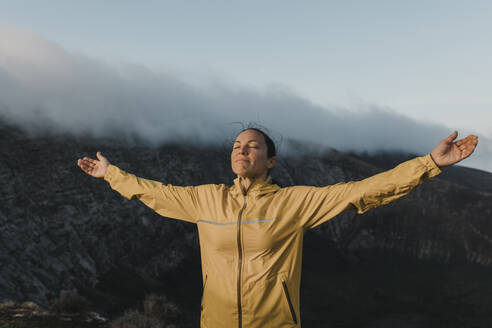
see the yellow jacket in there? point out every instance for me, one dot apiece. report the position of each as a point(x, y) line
point(251, 241)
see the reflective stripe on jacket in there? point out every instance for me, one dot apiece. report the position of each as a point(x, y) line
point(251, 240)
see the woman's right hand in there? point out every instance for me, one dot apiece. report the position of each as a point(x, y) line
point(93, 167)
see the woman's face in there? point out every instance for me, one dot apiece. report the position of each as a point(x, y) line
point(249, 157)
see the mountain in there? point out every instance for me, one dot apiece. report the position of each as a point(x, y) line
point(421, 261)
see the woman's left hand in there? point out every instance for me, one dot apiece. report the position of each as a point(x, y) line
point(449, 152)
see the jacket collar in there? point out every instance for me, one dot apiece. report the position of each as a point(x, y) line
point(258, 187)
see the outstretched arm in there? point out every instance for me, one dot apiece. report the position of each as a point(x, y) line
point(319, 204)
point(167, 200)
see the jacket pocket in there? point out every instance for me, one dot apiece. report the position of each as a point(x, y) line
point(291, 307)
point(268, 305)
point(203, 292)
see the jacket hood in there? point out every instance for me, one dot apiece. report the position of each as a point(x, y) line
point(257, 188)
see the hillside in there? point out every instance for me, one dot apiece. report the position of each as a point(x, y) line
point(422, 261)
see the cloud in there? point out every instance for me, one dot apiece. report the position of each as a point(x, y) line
point(47, 89)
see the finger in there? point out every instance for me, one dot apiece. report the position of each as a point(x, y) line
point(466, 153)
point(87, 163)
point(90, 160)
point(468, 150)
point(451, 137)
point(85, 169)
point(469, 139)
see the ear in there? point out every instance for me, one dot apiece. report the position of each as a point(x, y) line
point(271, 162)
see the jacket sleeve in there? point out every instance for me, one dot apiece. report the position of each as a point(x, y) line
point(167, 200)
point(317, 205)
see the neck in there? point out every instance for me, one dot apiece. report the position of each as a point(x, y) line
point(246, 182)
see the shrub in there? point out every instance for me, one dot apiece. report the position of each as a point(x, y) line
point(69, 301)
point(158, 312)
point(8, 305)
point(135, 319)
point(158, 306)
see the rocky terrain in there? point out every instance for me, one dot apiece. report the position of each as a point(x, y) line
point(422, 261)
point(29, 314)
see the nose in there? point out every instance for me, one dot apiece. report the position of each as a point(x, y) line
point(242, 150)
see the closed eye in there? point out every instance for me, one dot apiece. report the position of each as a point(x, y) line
point(250, 146)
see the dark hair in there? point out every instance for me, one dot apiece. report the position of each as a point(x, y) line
point(271, 151)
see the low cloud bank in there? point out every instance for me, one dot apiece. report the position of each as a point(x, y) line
point(47, 89)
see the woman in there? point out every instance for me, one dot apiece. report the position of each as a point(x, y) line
point(251, 232)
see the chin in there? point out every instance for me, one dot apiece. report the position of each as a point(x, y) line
point(239, 172)
point(244, 174)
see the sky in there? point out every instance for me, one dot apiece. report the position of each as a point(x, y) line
point(352, 75)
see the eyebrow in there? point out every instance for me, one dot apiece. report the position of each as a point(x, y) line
point(252, 140)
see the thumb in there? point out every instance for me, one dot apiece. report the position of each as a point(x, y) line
point(99, 156)
point(451, 137)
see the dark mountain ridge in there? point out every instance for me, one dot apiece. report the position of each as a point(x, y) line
point(61, 229)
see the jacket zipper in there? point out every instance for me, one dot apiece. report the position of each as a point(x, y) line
point(239, 309)
point(292, 312)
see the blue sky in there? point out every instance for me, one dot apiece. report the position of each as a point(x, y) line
point(428, 60)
